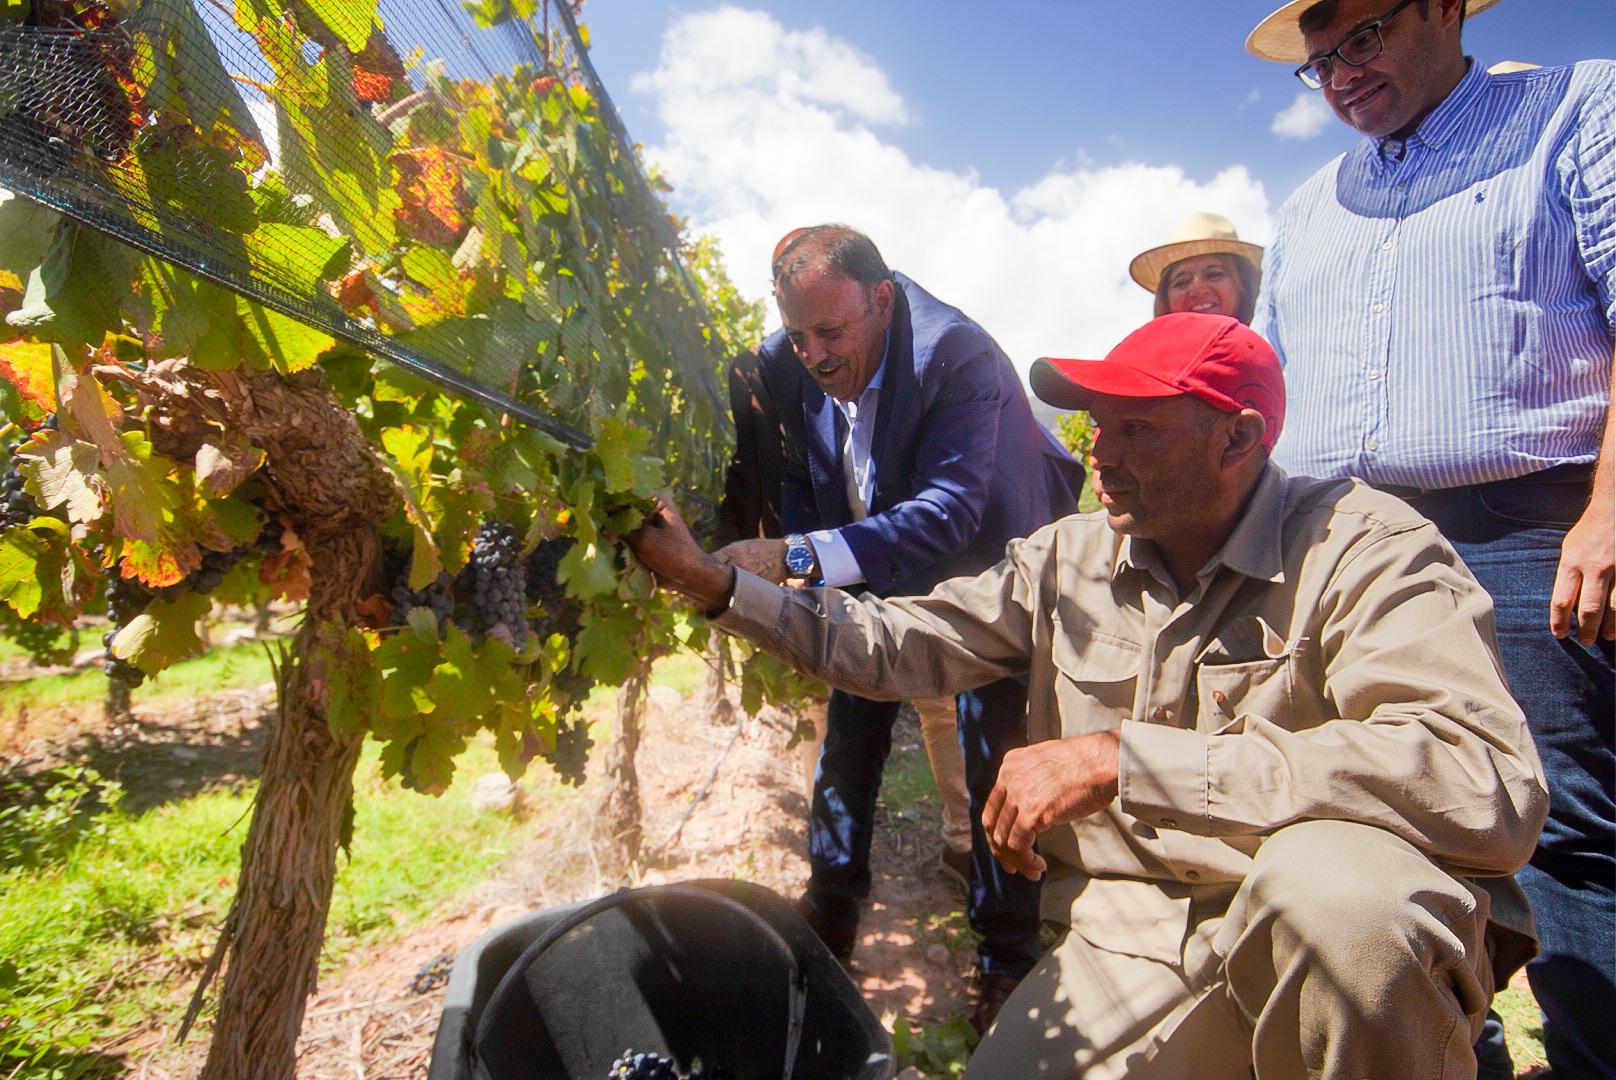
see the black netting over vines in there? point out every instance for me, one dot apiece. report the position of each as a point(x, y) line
point(443, 183)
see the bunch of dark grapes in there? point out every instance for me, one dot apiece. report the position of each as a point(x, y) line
point(126, 598)
point(571, 753)
point(17, 507)
point(497, 582)
point(437, 597)
point(208, 576)
point(647, 1066)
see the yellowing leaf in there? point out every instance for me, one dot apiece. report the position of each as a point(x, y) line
point(27, 366)
point(61, 474)
point(221, 465)
point(164, 634)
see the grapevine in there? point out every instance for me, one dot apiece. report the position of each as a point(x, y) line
point(643, 1065)
point(126, 598)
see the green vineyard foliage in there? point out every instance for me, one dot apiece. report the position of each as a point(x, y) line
point(504, 209)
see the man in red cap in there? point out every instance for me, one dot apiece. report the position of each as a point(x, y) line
point(1275, 785)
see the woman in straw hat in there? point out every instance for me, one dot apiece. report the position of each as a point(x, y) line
point(1205, 268)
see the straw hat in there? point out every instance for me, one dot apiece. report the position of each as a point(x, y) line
point(1510, 67)
point(1197, 234)
point(1279, 37)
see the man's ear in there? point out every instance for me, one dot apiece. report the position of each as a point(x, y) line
point(883, 299)
point(1245, 436)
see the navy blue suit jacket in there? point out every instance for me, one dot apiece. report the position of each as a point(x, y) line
point(962, 466)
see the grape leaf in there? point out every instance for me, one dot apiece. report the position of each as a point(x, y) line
point(29, 572)
point(352, 682)
point(607, 645)
point(620, 445)
point(470, 681)
point(285, 344)
point(61, 474)
point(74, 295)
point(588, 570)
point(223, 463)
point(406, 661)
point(163, 634)
point(27, 366)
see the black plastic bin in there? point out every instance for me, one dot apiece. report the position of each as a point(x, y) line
point(723, 971)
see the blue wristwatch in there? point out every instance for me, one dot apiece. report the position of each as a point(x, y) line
point(799, 556)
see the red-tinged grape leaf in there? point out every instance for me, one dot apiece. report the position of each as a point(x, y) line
point(352, 683)
point(288, 574)
point(163, 634)
point(406, 660)
point(373, 612)
point(223, 463)
point(157, 565)
point(606, 646)
point(588, 570)
point(432, 195)
point(61, 473)
point(371, 86)
point(27, 366)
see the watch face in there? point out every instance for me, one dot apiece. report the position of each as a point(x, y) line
point(799, 558)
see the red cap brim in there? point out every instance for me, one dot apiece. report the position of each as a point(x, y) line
point(1073, 384)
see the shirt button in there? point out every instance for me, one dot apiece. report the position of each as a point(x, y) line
point(1373, 375)
point(1385, 245)
point(1169, 823)
point(1378, 308)
point(1219, 698)
point(1161, 716)
point(1192, 875)
point(1372, 444)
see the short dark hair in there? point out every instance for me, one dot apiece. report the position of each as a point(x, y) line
point(1322, 14)
point(832, 247)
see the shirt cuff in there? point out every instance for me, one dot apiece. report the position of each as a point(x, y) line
point(1163, 776)
point(837, 566)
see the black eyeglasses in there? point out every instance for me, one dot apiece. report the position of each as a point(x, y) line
point(1362, 46)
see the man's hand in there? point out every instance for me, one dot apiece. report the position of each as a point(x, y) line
point(664, 546)
point(1583, 583)
point(1047, 784)
point(765, 558)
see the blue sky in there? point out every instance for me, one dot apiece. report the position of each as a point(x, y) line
point(1011, 156)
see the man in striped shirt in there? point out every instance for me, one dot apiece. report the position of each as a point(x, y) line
point(1442, 296)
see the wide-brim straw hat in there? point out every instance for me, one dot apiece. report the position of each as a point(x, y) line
point(1197, 234)
point(1279, 37)
point(1510, 67)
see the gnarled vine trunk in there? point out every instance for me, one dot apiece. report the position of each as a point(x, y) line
point(324, 483)
point(620, 821)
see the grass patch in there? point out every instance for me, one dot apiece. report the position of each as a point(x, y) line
point(907, 783)
point(1523, 1026)
point(241, 665)
point(114, 933)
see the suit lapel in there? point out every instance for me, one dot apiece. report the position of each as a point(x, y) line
point(821, 419)
point(895, 414)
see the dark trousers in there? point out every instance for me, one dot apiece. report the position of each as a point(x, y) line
point(1509, 533)
point(1003, 907)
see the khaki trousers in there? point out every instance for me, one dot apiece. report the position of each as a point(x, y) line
point(939, 731)
point(1345, 954)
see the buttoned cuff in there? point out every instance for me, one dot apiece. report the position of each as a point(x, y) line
point(1164, 776)
point(755, 607)
point(837, 566)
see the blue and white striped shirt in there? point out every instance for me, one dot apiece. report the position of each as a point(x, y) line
point(1444, 307)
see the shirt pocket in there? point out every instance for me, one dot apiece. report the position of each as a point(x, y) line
point(1096, 676)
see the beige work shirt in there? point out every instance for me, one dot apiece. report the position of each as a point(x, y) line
point(1335, 660)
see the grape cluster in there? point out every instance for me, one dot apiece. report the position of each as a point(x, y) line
point(207, 577)
point(571, 753)
point(126, 598)
point(556, 613)
point(498, 583)
point(437, 597)
point(647, 1066)
point(17, 507)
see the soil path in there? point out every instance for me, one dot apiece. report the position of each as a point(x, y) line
point(369, 1020)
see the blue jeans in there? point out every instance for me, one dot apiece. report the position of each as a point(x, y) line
point(1509, 533)
point(1002, 907)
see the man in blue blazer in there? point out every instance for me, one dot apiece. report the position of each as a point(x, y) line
point(912, 456)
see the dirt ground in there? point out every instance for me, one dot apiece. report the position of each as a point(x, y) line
point(721, 799)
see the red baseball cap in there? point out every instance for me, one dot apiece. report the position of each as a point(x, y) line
point(1218, 359)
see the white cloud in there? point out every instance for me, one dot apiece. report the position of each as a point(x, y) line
point(1305, 117)
point(755, 149)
